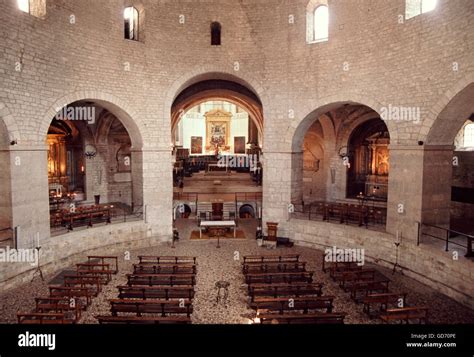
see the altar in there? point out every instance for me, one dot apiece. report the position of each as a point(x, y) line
point(217, 225)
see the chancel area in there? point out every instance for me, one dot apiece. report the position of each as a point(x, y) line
point(209, 162)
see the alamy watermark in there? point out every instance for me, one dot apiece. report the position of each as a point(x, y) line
point(339, 255)
point(400, 113)
point(76, 113)
point(241, 161)
point(10, 255)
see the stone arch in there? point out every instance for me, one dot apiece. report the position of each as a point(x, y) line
point(345, 135)
point(9, 130)
point(211, 72)
point(310, 115)
point(120, 108)
point(453, 109)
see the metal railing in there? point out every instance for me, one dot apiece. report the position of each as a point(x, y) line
point(446, 235)
point(117, 215)
point(337, 211)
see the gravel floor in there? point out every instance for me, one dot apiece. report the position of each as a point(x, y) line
point(222, 264)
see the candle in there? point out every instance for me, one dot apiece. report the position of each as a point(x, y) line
point(37, 239)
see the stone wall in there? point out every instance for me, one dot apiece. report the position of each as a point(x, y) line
point(425, 263)
point(66, 250)
point(77, 52)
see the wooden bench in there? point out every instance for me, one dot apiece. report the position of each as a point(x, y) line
point(405, 314)
point(350, 277)
point(86, 215)
point(273, 267)
point(272, 258)
point(103, 259)
point(141, 320)
point(273, 278)
point(163, 307)
point(70, 309)
point(92, 269)
point(338, 266)
point(93, 283)
point(315, 318)
point(305, 304)
point(166, 259)
point(164, 269)
point(39, 318)
point(164, 279)
point(378, 285)
point(72, 293)
point(156, 292)
point(383, 300)
point(282, 290)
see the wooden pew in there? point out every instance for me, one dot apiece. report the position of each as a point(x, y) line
point(337, 268)
point(405, 314)
point(273, 278)
point(378, 285)
point(72, 293)
point(273, 267)
point(272, 258)
point(38, 318)
point(282, 290)
point(164, 279)
point(103, 259)
point(383, 300)
point(156, 292)
point(70, 309)
point(93, 283)
point(91, 269)
point(139, 307)
point(314, 318)
point(141, 320)
point(164, 269)
point(304, 304)
point(166, 259)
point(348, 278)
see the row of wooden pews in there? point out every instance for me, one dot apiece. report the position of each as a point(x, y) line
point(65, 303)
point(371, 288)
point(159, 291)
point(283, 292)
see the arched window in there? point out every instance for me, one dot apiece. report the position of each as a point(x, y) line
point(321, 23)
point(317, 21)
point(417, 7)
point(216, 34)
point(469, 135)
point(24, 5)
point(35, 8)
point(131, 23)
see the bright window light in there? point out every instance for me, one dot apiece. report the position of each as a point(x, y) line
point(428, 5)
point(321, 23)
point(469, 135)
point(24, 5)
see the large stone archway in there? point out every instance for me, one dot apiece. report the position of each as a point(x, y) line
point(438, 157)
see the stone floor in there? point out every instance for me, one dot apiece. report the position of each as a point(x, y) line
point(223, 264)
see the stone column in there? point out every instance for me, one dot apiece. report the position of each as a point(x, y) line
point(29, 188)
point(405, 187)
point(437, 183)
point(158, 191)
point(5, 190)
point(280, 183)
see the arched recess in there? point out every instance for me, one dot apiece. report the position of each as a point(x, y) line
point(7, 138)
point(439, 158)
point(232, 92)
point(212, 72)
point(118, 107)
point(338, 121)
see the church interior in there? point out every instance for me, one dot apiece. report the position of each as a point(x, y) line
point(224, 162)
